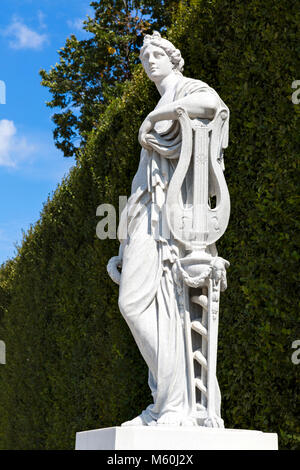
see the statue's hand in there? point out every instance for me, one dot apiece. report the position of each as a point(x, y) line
point(145, 128)
point(112, 268)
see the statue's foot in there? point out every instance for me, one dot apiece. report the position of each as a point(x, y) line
point(189, 422)
point(214, 422)
point(169, 419)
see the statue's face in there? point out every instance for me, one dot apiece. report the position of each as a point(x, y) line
point(156, 63)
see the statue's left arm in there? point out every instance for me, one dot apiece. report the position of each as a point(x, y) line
point(203, 104)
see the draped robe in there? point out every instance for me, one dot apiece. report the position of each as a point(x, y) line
point(148, 298)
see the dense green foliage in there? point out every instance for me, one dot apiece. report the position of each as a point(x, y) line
point(71, 362)
point(91, 71)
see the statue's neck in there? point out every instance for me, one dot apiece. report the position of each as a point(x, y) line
point(168, 84)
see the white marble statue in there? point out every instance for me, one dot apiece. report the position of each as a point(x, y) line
point(168, 269)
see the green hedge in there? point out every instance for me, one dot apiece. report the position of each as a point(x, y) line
point(71, 362)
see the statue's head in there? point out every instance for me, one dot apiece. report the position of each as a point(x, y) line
point(160, 57)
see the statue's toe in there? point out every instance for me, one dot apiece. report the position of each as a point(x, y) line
point(170, 419)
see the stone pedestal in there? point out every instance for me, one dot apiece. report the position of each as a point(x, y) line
point(173, 438)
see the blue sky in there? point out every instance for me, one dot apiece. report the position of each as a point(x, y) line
point(31, 32)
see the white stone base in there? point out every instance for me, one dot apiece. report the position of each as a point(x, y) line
point(173, 438)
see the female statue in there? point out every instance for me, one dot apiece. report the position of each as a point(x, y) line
point(151, 293)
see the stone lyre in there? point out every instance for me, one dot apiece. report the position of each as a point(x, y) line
point(199, 275)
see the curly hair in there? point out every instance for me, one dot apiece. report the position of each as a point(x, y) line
point(171, 51)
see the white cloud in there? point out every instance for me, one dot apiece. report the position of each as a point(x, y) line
point(33, 155)
point(41, 17)
point(22, 37)
point(13, 149)
point(76, 24)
